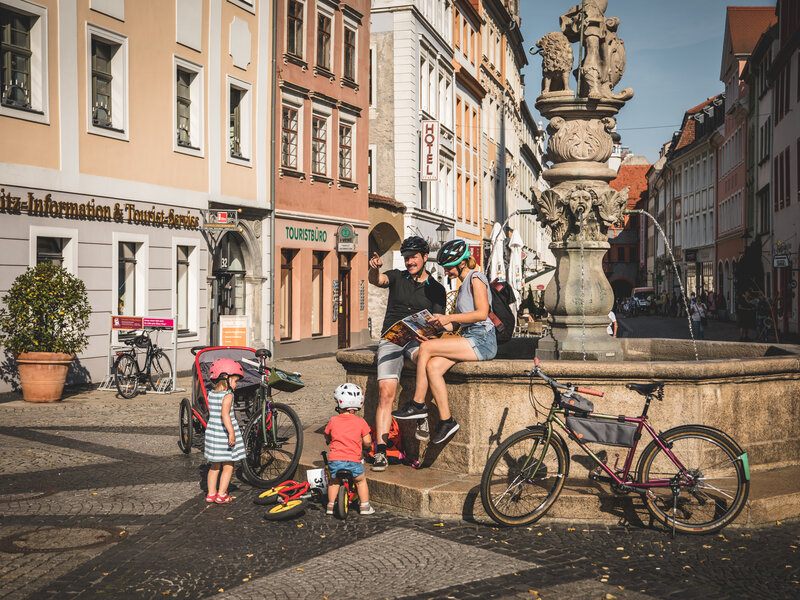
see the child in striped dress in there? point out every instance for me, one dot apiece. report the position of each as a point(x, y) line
point(223, 445)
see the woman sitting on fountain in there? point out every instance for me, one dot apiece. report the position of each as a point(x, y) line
point(477, 340)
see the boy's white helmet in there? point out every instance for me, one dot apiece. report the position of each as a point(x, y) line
point(349, 396)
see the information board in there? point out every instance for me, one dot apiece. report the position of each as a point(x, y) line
point(233, 330)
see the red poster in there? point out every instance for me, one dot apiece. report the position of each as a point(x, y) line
point(163, 323)
point(120, 322)
point(475, 252)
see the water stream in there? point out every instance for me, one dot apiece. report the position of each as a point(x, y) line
point(674, 266)
point(583, 291)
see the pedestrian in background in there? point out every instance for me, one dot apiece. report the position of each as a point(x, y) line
point(612, 326)
point(698, 311)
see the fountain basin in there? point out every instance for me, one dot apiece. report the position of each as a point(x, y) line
point(750, 391)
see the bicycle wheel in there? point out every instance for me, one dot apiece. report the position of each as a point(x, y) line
point(126, 376)
point(187, 427)
point(712, 460)
point(342, 503)
point(514, 491)
point(160, 372)
point(280, 512)
point(272, 456)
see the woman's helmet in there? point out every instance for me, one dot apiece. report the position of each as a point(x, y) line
point(225, 366)
point(413, 245)
point(452, 253)
point(348, 396)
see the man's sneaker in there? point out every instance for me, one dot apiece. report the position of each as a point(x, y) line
point(409, 411)
point(423, 432)
point(366, 510)
point(445, 431)
point(379, 462)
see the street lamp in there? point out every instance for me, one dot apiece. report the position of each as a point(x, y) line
point(535, 260)
point(442, 232)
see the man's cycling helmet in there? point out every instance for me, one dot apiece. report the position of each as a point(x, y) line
point(452, 253)
point(348, 396)
point(414, 245)
point(225, 366)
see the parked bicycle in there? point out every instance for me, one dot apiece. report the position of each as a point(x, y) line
point(157, 368)
point(692, 478)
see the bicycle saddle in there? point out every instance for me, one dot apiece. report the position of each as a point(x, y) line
point(263, 352)
point(645, 389)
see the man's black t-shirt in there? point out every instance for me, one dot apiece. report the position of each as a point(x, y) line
point(407, 296)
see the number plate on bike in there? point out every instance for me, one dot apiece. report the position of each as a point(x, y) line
point(286, 382)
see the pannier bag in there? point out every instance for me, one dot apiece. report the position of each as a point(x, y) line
point(284, 381)
point(577, 403)
point(602, 431)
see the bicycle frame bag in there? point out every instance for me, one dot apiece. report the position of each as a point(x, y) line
point(284, 381)
point(602, 431)
point(576, 403)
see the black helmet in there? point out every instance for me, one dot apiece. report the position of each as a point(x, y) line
point(414, 245)
point(452, 253)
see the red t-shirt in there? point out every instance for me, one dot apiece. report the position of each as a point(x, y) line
point(346, 431)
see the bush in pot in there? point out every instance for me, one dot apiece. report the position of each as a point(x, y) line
point(43, 325)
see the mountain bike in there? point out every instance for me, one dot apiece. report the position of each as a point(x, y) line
point(692, 478)
point(273, 438)
point(157, 368)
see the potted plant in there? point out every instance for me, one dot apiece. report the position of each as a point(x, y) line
point(43, 325)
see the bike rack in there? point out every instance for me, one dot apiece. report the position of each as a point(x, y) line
point(166, 385)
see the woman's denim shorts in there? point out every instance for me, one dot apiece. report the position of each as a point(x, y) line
point(482, 341)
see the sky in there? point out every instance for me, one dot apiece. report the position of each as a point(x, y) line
point(674, 52)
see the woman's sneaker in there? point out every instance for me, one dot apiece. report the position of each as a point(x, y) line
point(410, 411)
point(379, 462)
point(445, 431)
point(423, 432)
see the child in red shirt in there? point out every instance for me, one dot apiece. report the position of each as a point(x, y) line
point(347, 434)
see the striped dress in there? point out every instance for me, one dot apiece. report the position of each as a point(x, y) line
point(216, 446)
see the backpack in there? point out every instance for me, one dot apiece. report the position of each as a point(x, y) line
point(394, 446)
point(501, 314)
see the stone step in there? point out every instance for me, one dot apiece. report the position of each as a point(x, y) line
point(439, 494)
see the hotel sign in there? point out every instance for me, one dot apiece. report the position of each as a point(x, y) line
point(429, 158)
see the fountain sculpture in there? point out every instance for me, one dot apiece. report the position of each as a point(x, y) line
point(580, 206)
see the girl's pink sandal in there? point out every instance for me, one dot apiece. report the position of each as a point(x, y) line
point(223, 499)
point(211, 498)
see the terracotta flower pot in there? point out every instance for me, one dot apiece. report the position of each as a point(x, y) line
point(43, 374)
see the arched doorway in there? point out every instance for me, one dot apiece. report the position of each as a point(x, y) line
point(228, 285)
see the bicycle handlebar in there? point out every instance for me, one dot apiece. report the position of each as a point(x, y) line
point(537, 370)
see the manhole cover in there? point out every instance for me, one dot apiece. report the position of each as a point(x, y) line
point(60, 539)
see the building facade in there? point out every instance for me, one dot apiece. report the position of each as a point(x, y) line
point(321, 177)
point(129, 131)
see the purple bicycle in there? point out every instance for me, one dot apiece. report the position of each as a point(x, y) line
point(693, 478)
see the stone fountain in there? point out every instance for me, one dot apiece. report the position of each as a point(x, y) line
point(580, 206)
point(748, 390)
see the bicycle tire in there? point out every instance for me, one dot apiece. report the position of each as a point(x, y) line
point(342, 503)
point(266, 464)
point(187, 427)
point(279, 512)
point(126, 376)
point(271, 496)
point(160, 367)
point(502, 490)
point(723, 490)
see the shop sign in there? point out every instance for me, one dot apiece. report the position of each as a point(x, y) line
point(690, 256)
point(220, 219)
point(91, 210)
point(346, 238)
point(120, 322)
point(233, 330)
point(306, 234)
point(780, 261)
point(429, 158)
point(475, 252)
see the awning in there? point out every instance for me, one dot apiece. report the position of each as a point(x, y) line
point(544, 271)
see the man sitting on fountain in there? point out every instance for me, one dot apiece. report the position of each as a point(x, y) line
point(410, 291)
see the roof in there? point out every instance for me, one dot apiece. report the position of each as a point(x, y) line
point(746, 24)
point(635, 176)
point(688, 125)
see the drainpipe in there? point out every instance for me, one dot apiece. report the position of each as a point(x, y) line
point(271, 329)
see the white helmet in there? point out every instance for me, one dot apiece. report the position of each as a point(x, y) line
point(348, 396)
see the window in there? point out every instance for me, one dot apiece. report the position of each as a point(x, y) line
point(188, 107)
point(54, 245)
point(317, 263)
point(294, 32)
point(345, 151)
point(319, 145)
point(182, 287)
point(286, 294)
point(23, 60)
point(50, 250)
point(372, 180)
point(289, 131)
point(323, 42)
point(239, 120)
point(126, 278)
point(350, 54)
point(372, 76)
point(108, 73)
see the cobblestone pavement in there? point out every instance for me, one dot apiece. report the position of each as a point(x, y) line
point(96, 501)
